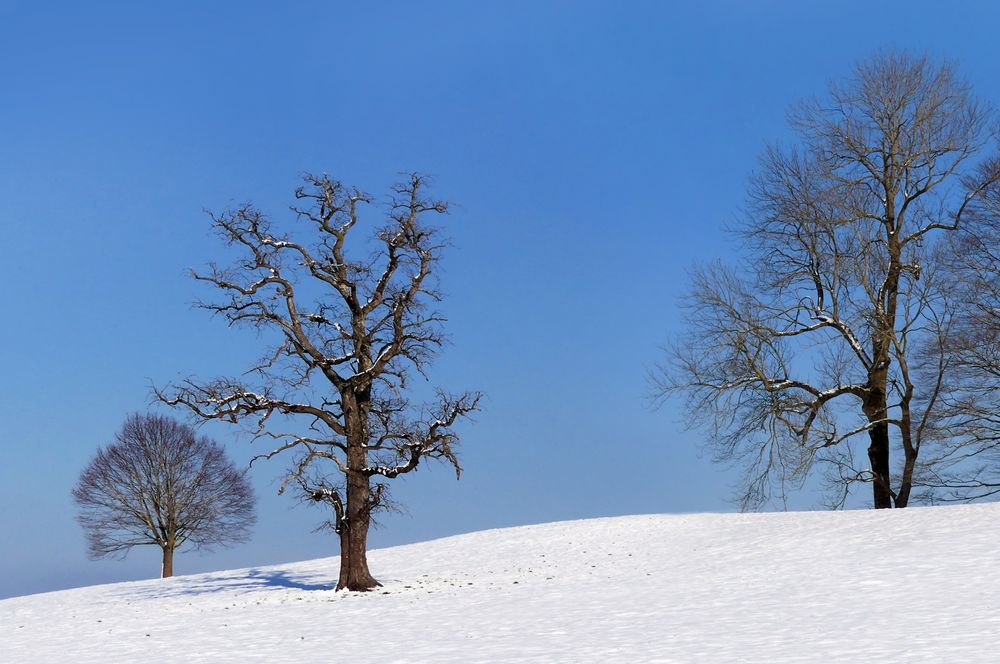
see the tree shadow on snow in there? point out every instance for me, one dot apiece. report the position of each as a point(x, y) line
point(253, 580)
point(280, 579)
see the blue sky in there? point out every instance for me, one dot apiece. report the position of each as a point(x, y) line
point(593, 151)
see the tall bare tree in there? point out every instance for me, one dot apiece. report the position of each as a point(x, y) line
point(350, 331)
point(814, 340)
point(160, 484)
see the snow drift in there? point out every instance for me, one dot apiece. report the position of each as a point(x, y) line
point(915, 585)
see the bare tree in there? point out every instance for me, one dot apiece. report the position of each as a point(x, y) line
point(160, 484)
point(349, 333)
point(814, 341)
point(964, 463)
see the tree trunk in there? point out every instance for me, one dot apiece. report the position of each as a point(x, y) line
point(345, 552)
point(902, 497)
point(168, 563)
point(875, 405)
point(909, 450)
point(354, 573)
point(876, 410)
point(878, 455)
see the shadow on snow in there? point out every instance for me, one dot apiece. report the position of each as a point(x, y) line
point(253, 580)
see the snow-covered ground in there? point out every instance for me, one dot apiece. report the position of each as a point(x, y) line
point(917, 585)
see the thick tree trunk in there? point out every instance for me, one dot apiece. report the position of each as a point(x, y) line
point(354, 573)
point(878, 455)
point(876, 410)
point(168, 563)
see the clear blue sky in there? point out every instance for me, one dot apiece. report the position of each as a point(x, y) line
point(592, 150)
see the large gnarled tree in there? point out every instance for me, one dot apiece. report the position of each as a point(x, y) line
point(353, 323)
point(819, 338)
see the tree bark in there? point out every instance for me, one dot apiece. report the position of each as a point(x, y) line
point(909, 452)
point(878, 455)
point(876, 410)
point(168, 563)
point(906, 484)
point(354, 573)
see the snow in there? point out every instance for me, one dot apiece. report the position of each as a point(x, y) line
point(914, 585)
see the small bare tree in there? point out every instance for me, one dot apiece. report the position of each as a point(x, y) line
point(815, 340)
point(350, 332)
point(160, 484)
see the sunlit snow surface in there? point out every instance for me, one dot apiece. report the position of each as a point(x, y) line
point(917, 585)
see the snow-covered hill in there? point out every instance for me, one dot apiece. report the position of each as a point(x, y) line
point(917, 585)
